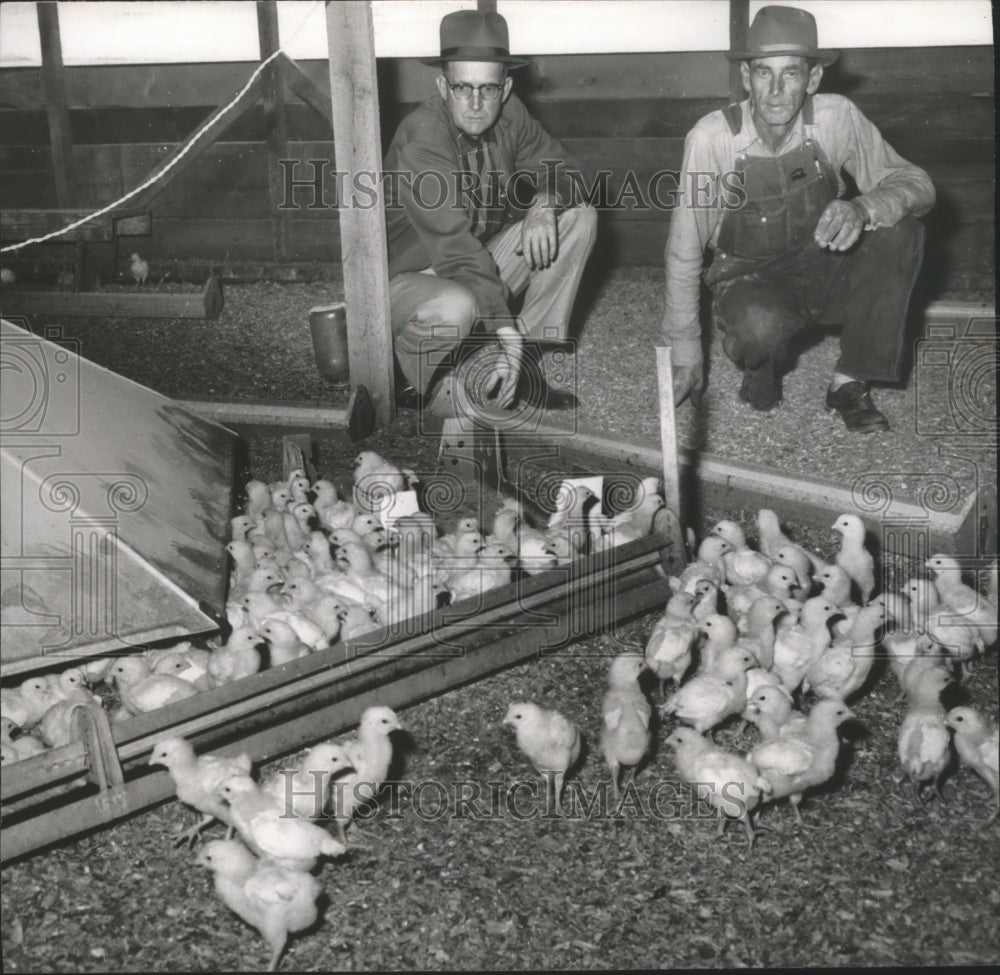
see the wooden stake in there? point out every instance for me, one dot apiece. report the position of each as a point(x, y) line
point(668, 442)
point(357, 148)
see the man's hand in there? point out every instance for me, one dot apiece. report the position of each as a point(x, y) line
point(687, 362)
point(840, 224)
point(507, 368)
point(539, 236)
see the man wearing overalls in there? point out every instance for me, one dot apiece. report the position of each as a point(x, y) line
point(789, 251)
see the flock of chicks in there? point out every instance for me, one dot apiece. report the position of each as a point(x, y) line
point(744, 636)
point(749, 633)
point(311, 568)
point(267, 879)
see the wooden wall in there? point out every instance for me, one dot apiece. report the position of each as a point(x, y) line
point(616, 112)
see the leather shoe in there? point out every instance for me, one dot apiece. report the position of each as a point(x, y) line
point(854, 404)
point(533, 389)
point(408, 398)
point(761, 387)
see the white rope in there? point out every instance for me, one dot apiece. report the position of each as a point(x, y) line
point(173, 162)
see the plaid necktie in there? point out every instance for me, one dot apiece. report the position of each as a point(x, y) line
point(483, 201)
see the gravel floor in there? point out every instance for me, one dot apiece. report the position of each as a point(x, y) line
point(877, 879)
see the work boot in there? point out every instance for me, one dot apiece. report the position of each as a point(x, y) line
point(534, 390)
point(853, 403)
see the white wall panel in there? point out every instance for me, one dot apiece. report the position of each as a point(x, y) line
point(191, 31)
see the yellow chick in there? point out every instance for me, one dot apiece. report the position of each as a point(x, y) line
point(801, 759)
point(708, 699)
point(274, 900)
point(672, 640)
point(625, 716)
point(924, 743)
point(197, 779)
point(141, 690)
point(369, 754)
point(852, 556)
point(296, 844)
point(978, 745)
point(551, 742)
point(728, 782)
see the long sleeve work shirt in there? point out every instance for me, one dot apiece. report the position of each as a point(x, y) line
point(890, 188)
point(431, 223)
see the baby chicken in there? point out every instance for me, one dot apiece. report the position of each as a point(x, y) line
point(853, 557)
point(726, 781)
point(197, 779)
point(795, 761)
point(369, 754)
point(141, 690)
point(295, 844)
point(978, 745)
point(708, 699)
point(139, 269)
point(626, 713)
point(669, 647)
point(924, 743)
point(274, 900)
point(551, 742)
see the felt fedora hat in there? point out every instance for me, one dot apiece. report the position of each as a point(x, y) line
point(468, 35)
point(777, 31)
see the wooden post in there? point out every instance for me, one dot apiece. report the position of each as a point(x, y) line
point(358, 154)
point(275, 126)
point(56, 108)
point(739, 23)
point(668, 441)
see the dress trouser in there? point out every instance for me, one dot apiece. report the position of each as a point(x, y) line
point(432, 315)
point(761, 305)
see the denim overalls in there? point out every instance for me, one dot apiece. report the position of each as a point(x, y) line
point(770, 279)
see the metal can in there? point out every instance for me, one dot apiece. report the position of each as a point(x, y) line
point(328, 324)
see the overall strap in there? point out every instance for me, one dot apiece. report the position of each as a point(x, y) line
point(734, 117)
point(808, 118)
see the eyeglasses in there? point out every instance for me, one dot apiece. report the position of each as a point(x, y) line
point(462, 90)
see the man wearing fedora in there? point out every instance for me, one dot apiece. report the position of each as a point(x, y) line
point(456, 256)
point(795, 252)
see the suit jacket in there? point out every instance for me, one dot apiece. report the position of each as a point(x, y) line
point(430, 219)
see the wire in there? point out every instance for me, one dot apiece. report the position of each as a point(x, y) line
point(173, 162)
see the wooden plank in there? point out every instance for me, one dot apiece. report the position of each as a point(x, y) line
point(713, 480)
point(900, 70)
point(17, 224)
point(305, 88)
point(138, 225)
point(273, 104)
point(354, 95)
point(307, 416)
point(116, 304)
point(56, 107)
point(739, 24)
